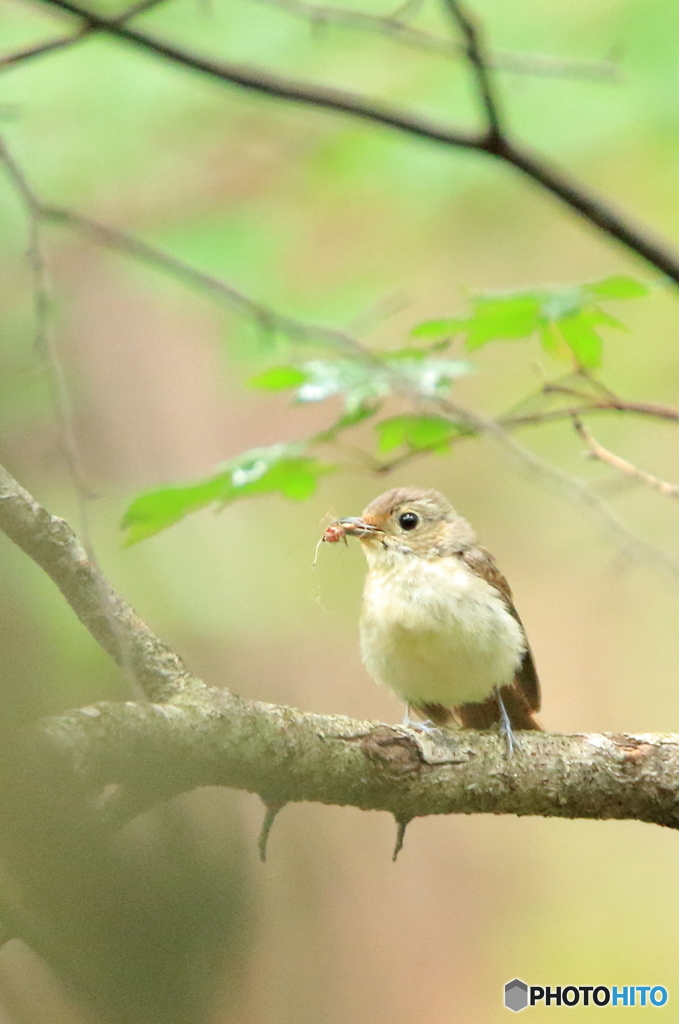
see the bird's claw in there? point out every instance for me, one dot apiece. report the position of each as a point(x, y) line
point(426, 727)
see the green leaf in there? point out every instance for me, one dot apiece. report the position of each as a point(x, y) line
point(503, 318)
point(556, 303)
point(552, 341)
point(440, 328)
point(279, 378)
point(565, 317)
point(579, 334)
point(281, 468)
point(421, 433)
point(620, 286)
point(154, 511)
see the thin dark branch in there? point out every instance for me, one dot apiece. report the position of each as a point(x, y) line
point(21, 56)
point(567, 486)
point(52, 45)
point(392, 26)
point(574, 195)
point(662, 412)
point(270, 84)
point(475, 52)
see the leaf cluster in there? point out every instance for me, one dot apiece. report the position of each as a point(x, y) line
point(568, 321)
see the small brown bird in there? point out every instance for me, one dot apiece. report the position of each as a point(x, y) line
point(438, 625)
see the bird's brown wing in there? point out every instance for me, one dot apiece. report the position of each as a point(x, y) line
point(526, 680)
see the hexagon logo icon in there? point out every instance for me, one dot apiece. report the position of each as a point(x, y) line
point(516, 995)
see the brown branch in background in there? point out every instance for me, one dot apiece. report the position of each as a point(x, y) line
point(303, 330)
point(44, 340)
point(597, 451)
point(42, 49)
point(269, 318)
point(45, 344)
point(572, 193)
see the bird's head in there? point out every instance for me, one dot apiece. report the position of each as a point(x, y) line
point(409, 521)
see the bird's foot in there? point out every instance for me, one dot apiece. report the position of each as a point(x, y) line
point(505, 724)
point(426, 727)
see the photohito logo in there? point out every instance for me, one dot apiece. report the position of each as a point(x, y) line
point(519, 995)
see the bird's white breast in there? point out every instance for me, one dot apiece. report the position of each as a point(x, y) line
point(435, 632)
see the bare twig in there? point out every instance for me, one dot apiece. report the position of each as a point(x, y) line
point(396, 28)
point(393, 26)
point(475, 53)
point(44, 340)
point(662, 412)
point(52, 45)
point(569, 487)
point(595, 450)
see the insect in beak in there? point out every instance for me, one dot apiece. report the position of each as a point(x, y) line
point(354, 526)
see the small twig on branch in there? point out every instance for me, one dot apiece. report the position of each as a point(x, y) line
point(595, 450)
point(475, 53)
point(662, 412)
point(572, 488)
point(52, 45)
point(396, 28)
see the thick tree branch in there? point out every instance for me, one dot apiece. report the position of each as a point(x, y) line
point(203, 736)
point(594, 209)
point(285, 756)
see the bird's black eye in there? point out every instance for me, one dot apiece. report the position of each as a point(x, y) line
point(408, 521)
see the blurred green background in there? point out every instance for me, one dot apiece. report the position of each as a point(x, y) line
point(324, 217)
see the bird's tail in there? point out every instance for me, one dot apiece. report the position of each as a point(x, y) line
point(486, 714)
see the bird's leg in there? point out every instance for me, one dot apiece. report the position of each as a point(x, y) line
point(505, 724)
point(411, 723)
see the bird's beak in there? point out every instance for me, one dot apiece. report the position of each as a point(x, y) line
point(354, 526)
